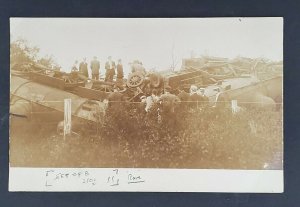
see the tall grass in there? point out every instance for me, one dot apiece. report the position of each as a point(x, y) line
point(130, 137)
point(197, 138)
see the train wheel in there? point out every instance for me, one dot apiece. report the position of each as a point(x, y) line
point(135, 79)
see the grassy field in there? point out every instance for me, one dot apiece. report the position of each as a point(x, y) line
point(202, 138)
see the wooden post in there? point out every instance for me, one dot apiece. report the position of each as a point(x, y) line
point(67, 117)
point(234, 106)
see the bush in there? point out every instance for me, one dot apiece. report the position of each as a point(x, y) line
point(203, 138)
point(130, 137)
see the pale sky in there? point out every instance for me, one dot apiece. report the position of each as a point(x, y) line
point(150, 40)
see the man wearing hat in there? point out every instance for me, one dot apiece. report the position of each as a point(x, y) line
point(83, 68)
point(95, 68)
point(141, 106)
point(204, 98)
point(110, 69)
point(167, 90)
point(137, 66)
point(196, 100)
point(74, 67)
point(151, 100)
point(120, 74)
point(184, 97)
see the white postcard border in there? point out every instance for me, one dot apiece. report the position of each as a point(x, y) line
point(145, 180)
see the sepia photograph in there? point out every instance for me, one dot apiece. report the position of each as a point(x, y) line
point(146, 93)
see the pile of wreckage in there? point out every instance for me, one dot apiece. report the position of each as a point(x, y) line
point(38, 93)
point(261, 67)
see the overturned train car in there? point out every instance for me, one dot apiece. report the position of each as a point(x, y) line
point(248, 92)
point(42, 104)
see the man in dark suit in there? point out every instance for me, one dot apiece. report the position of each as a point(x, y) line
point(137, 66)
point(95, 67)
point(184, 97)
point(74, 67)
point(110, 70)
point(83, 68)
point(120, 74)
point(195, 100)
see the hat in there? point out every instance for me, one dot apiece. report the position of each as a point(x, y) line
point(142, 97)
point(168, 88)
point(193, 89)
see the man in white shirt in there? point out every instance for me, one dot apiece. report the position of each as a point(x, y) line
point(151, 100)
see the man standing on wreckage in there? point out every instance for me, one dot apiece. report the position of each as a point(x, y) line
point(110, 70)
point(95, 68)
point(83, 68)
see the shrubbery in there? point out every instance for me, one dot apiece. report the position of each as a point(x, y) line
point(202, 138)
point(129, 137)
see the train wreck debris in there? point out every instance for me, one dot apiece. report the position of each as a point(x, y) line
point(118, 93)
point(38, 92)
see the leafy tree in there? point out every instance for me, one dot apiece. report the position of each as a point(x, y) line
point(23, 54)
point(46, 61)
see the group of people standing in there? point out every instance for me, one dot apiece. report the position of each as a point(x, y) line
point(110, 69)
point(194, 99)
